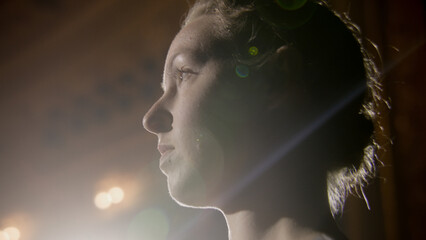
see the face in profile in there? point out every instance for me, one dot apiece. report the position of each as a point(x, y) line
point(201, 120)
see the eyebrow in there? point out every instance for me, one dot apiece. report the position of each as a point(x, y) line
point(162, 83)
point(163, 75)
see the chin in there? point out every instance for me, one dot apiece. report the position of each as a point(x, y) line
point(195, 185)
point(192, 192)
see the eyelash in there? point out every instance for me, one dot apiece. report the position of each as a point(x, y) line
point(183, 71)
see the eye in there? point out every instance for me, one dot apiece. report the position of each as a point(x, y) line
point(185, 73)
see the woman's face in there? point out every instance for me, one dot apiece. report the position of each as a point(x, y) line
point(203, 118)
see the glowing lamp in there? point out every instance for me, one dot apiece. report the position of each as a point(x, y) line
point(11, 233)
point(103, 200)
point(116, 194)
point(4, 236)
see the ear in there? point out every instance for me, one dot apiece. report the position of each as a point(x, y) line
point(287, 83)
point(290, 60)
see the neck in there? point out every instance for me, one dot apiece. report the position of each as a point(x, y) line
point(286, 201)
point(244, 225)
point(263, 212)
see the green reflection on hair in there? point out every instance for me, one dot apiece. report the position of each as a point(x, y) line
point(253, 51)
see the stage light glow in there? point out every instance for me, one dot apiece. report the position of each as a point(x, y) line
point(13, 233)
point(116, 194)
point(4, 236)
point(103, 200)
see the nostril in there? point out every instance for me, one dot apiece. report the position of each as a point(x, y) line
point(158, 121)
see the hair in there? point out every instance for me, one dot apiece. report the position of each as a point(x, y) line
point(324, 53)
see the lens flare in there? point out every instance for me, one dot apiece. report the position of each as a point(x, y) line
point(116, 194)
point(103, 200)
point(253, 51)
point(151, 223)
point(13, 233)
point(242, 71)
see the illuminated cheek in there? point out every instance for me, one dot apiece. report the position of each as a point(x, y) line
point(210, 157)
point(199, 170)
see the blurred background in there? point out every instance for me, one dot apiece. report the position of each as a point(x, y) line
point(76, 78)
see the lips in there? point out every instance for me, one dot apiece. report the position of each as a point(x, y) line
point(163, 149)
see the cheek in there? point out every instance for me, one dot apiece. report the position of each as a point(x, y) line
point(201, 154)
point(198, 170)
point(228, 118)
point(209, 153)
point(211, 127)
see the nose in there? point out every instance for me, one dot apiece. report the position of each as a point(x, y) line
point(158, 119)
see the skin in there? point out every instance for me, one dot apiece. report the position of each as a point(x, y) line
point(208, 123)
point(192, 118)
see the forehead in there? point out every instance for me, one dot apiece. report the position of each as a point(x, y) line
point(199, 38)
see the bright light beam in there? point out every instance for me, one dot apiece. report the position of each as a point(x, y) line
point(290, 145)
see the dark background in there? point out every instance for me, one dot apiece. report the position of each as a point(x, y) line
point(76, 78)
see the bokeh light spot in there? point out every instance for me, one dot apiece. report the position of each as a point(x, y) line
point(103, 200)
point(13, 233)
point(253, 51)
point(242, 71)
point(4, 236)
point(152, 224)
point(291, 4)
point(116, 194)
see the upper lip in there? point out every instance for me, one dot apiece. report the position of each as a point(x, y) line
point(163, 148)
